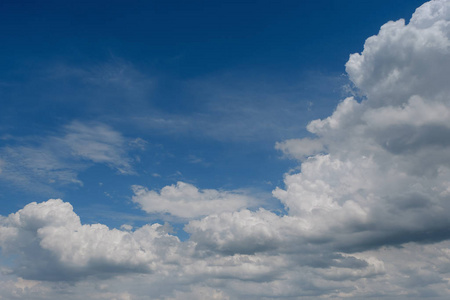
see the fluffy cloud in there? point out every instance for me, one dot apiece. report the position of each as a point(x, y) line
point(237, 232)
point(387, 168)
point(377, 173)
point(405, 60)
point(51, 244)
point(52, 247)
point(186, 201)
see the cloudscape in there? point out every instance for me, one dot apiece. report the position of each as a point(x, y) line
point(206, 150)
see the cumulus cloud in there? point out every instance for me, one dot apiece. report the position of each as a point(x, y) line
point(186, 201)
point(237, 232)
point(386, 170)
point(52, 160)
point(52, 244)
point(378, 171)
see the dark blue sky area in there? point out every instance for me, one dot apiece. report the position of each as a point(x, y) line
point(189, 38)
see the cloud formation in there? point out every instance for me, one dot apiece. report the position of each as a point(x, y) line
point(42, 163)
point(388, 155)
point(97, 143)
point(51, 244)
point(367, 214)
point(186, 201)
point(377, 173)
point(300, 148)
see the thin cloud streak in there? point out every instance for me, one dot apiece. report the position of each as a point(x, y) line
point(44, 164)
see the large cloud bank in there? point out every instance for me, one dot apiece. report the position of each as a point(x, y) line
point(368, 214)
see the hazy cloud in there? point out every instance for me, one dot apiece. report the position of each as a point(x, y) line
point(300, 148)
point(52, 160)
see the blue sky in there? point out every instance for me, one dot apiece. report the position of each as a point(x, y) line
point(302, 117)
point(231, 78)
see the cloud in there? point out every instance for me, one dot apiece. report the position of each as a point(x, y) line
point(386, 170)
point(51, 244)
point(376, 175)
point(186, 201)
point(170, 269)
point(242, 232)
point(367, 214)
point(98, 143)
point(41, 163)
point(405, 60)
point(299, 148)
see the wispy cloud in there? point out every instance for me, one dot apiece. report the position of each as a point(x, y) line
point(234, 106)
point(225, 108)
point(97, 143)
point(49, 161)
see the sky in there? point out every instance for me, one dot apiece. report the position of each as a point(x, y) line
point(225, 149)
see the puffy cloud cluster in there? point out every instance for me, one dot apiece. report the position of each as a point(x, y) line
point(367, 215)
point(388, 156)
point(378, 172)
point(186, 201)
point(243, 232)
point(251, 257)
point(52, 244)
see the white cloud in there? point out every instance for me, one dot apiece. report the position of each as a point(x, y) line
point(387, 165)
point(299, 148)
point(186, 201)
point(237, 232)
point(377, 174)
point(405, 60)
point(169, 269)
point(52, 244)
